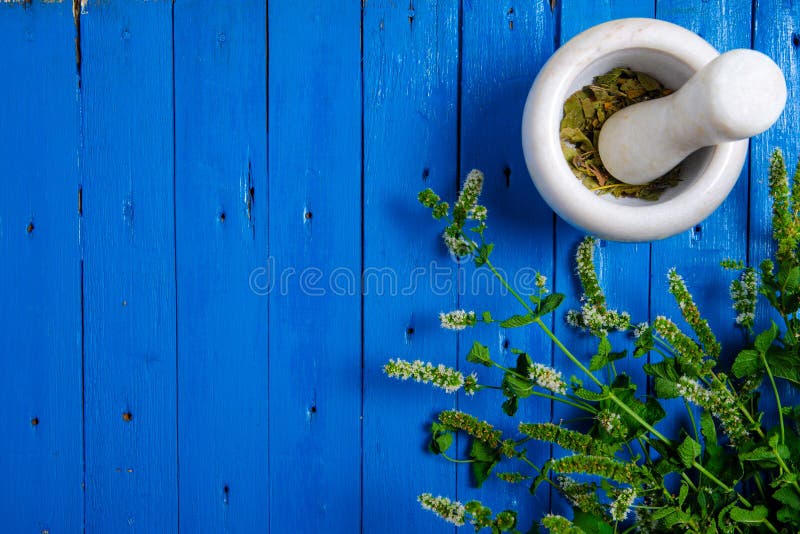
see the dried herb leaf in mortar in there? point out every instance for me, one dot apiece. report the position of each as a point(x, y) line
point(586, 110)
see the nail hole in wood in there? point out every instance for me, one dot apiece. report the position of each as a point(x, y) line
point(698, 229)
point(409, 330)
point(30, 227)
point(507, 174)
point(127, 417)
point(226, 490)
point(425, 173)
point(313, 409)
point(35, 421)
point(505, 343)
point(309, 215)
point(222, 216)
point(795, 40)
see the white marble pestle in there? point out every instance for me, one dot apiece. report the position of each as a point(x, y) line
point(739, 94)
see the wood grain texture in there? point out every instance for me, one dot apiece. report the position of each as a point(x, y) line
point(777, 34)
point(202, 347)
point(410, 143)
point(504, 46)
point(696, 253)
point(315, 227)
point(40, 296)
point(221, 234)
point(129, 268)
point(623, 268)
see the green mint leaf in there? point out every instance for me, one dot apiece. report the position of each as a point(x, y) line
point(604, 348)
point(757, 454)
point(510, 405)
point(788, 496)
point(590, 523)
point(506, 520)
point(747, 363)
point(755, 516)
point(515, 321)
point(479, 354)
point(589, 395)
point(514, 386)
point(784, 364)
point(684, 491)
point(597, 362)
point(441, 438)
point(688, 451)
point(481, 471)
point(549, 304)
point(483, 254)
point(764, 339)
point(485, 459)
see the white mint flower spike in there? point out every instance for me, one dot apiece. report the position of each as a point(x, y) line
point(470, 191)
point(621, 506)
point(451, 511)
point(541, 281)
point(457, 245)
point(457, 319)
point(441, 376)
point(547, 378)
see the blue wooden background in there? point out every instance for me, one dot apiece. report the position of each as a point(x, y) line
point(190, 194)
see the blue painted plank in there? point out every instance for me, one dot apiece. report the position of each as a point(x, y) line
point(777, 34)
point(221, 234)
point(696, 253)
point(314, 227)
point(504, 46)
point(410, 142)
point(40, 295)
point(623, 268)
point(129, 268)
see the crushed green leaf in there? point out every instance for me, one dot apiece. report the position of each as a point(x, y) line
point(586, 110)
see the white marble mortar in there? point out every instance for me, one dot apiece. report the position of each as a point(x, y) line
point(669, 53)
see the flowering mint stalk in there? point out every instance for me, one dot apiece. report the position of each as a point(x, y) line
point(744, 294)
point(547, 378)
point(621, 506)
point(687, 352)
point(457, 319)
point(451, 511)
point(611, 423)
point(710, 490)
point(468, 198)
point(558, 524)
point(441, 376)
point(625, 473)
point(594, 316)
point(677, 286)
point(480, 430)
point(720, 402)
point(568, 439)
point(581, 495)
point(784, 224)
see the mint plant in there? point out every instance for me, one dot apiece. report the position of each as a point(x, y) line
point(725, 470)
